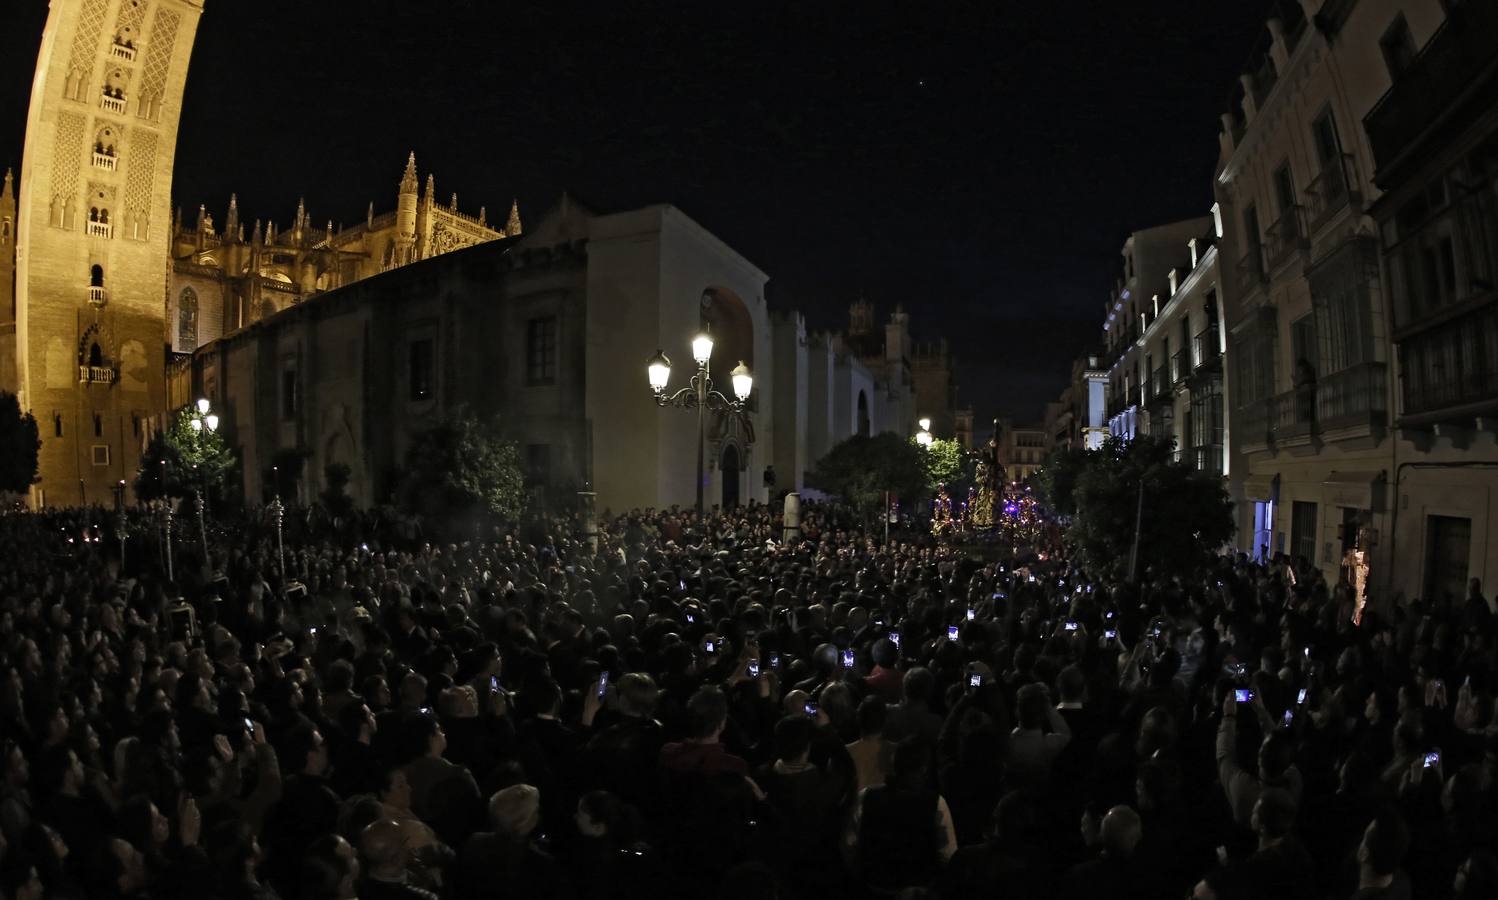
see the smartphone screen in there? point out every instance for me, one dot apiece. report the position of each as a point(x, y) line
point(1111, 634)
point(971, 614)
point(1300, 699)
point(847, 659)
point(894, 638)
point(811, 709)
point(952, 633)
point(1243, 695)
point(494, 684)
point(691, 618)
point(710, 647)
point(1289, 718)
point(774, 660)
point(249, 724)
point(974, 680)
point(1432, 759)
point(753, 668)
point(603, 683)
point(1070, 626)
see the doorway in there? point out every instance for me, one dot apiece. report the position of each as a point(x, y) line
point(730, 468)
point(1448, 541)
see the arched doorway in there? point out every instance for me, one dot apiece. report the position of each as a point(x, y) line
point(730, 467)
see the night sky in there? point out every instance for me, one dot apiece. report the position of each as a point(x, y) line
point(980, 163)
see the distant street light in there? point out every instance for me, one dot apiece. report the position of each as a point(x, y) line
point(924, 436)
point(699, 393)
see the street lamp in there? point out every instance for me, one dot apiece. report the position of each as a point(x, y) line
point(699, 393)
point(924, 436)
point(203, 423)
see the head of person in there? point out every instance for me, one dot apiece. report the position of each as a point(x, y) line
point(383, 845)
point(1477, 876)
point(638, 695)
point(793, 737)
point(910, 767)
point(1385, 842)
point(1121, 832)
point(1273, 815)
point(917, 685)
point(1033, 704)
point(707, 714)
point(602, 814)
point(1276, 756)
point(515, 811)
point(1071, 685)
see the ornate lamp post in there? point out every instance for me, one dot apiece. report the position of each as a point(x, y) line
point(924, 436)
point(166, 516)
point(699, 394)
point(203, 423)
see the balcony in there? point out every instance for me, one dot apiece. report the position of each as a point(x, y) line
point(110, 103)
point(1455, 60)
point(122, 51)
point(1253, 424)
point(1332, 190)
point(1450, 372)
point(1295, 416)
point(1207, 458)
point(98, 297)
point(1178, 367)
point(1251, 273)
point(1354, 398)
point(104, 161)
point(1285, 238)
point(1158, 388)
point(100, 229)
point(96, 375)
point(1205, 347)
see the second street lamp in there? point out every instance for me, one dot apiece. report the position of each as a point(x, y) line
point(699, 394)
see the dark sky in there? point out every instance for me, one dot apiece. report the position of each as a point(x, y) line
point(980, 162)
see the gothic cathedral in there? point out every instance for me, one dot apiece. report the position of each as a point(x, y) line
point(94, 225)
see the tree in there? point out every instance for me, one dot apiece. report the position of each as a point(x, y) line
point(19, 446)
point(1056, 481)
point(182, 460)
point(1186, 514)
point(860, 469)
point(945, 462)
point(462, 468)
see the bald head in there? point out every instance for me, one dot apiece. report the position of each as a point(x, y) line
point(1122, 832)
point(383, 843)
point(515, 810)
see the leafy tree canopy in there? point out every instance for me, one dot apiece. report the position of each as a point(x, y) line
point(1187, 515)
point(462, 468)
point(19, 446)
point(945, 463)
point(182, 460)
point(860, 469)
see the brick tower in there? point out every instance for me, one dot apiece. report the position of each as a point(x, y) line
point(94, 222)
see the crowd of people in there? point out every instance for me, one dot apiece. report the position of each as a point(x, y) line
point(686, 707)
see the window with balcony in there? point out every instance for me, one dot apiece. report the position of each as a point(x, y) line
point(1398, 47)
point(98, 222)
point(123, 46)
point(541, 351)
point(1303, 530)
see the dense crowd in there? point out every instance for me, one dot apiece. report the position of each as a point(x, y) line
point(712, 708)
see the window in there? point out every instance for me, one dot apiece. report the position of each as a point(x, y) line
point(101, 454)
point(96, 276)
point(98, 425)
point(1324, 133)
point(1398, 47)
point(541, 351)
point(187, 321)
point(288, 394)
point(1284, 188)
point(57, 424)
point(1303, 342)
point(421, 359)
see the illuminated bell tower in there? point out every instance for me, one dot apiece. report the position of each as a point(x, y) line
point(94, 226)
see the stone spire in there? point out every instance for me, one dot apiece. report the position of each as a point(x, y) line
point(299, 224)
point(8, 193)
point(256, 237)
point(408, 180)
point(483, 216)
point(330, 232)
point(454, 204)
point(369, 216)
point(231, 222)
point(512, 225)
point(431, 191)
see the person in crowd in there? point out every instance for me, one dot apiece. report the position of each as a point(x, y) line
point(690, 705)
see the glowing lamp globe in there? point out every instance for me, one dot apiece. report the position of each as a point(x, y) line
point(659, 367)
point(743, 382)
point(702, 348)
point(212, 422)
point(924, 423)
point(203, 405)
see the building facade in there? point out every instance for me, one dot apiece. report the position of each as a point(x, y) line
point(221, 281)
point(94, 223)
point(1148, 258)
point(1311, 359)
point(935, 372)
point(1022, 450)
point(1434, 143)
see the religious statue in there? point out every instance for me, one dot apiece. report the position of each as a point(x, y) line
point(990, 483)
point(941, 512)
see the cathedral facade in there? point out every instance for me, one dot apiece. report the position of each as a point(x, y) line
point(222, 281)
point(92, 230)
